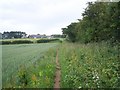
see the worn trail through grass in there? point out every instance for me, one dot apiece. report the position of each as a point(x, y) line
point(57, 73)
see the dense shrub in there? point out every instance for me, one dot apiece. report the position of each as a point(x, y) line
point(15, 42)
point(5, 42)
point(21, 41)
point(46, 40)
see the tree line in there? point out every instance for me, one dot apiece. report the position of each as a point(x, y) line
point(101, 21)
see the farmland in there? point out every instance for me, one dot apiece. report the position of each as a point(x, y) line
point(92, 65)
point(85, 56)
point(15, 57)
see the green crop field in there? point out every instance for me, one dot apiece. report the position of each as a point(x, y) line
point(15, 56)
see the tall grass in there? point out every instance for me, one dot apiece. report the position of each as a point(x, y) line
point(94, 65)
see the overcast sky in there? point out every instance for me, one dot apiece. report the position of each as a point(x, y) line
point(39, 16)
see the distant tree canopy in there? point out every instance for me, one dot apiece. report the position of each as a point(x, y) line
point(101, 21)
point(58, 36)
point(13, 34)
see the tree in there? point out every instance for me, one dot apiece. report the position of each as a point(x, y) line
point(70, 31)
point(100, 22)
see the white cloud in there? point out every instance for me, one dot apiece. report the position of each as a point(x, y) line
point(39, 16)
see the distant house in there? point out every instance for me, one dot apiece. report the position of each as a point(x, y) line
point(43, 36)
point(50, 37)
point(13, 34)
point(37, 36)
point(34, 36)
point(59, 36)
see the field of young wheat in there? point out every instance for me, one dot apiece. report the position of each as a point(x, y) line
point(17, 58)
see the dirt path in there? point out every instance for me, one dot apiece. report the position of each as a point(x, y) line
point(57, 73)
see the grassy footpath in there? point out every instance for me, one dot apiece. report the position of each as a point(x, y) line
point(28, 65)
point(89, 66)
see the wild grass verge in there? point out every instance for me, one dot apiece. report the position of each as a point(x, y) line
point(93, 65)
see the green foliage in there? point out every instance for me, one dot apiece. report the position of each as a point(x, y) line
point(27, 41)
point(22, 76)
point(13, 34)
point(100, 22)
point(47, 40)
point(21, 42)
point(16, 42)
point(93, 65)
point(5, 42)
point(70, 32)
point(58, 36)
